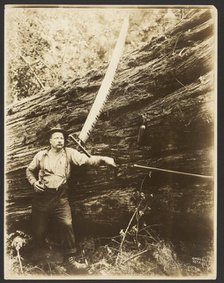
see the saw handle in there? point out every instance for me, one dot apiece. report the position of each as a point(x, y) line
point(78, 142)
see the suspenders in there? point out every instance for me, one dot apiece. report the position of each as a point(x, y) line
point(42, 162)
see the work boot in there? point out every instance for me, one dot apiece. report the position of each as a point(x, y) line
point(74, 265)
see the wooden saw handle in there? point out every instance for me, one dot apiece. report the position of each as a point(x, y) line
point(78, 142)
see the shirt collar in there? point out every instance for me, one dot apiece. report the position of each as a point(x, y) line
point(46, 153)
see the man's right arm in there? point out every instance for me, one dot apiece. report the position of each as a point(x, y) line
point(30, 172)
point(31, 168)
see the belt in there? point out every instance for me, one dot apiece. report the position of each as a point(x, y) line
point(52, 189)
point(63, 186)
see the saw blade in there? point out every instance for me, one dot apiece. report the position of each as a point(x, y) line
point(104, 90)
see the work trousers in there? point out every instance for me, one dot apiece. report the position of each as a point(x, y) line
point(55, 204)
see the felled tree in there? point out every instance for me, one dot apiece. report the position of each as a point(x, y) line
point(167, 84)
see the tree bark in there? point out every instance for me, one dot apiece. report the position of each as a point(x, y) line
point(167, 85)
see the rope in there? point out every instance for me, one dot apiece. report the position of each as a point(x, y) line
point(173, 171)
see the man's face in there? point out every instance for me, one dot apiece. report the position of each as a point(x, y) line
point(57, 140)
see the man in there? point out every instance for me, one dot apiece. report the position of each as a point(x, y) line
point(48, 173)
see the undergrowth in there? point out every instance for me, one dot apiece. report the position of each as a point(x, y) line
point(136, 251)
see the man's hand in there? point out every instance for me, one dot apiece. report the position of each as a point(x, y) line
point(109, 161)
point(38, 187)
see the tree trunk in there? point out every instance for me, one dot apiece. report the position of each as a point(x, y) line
point(167, 85)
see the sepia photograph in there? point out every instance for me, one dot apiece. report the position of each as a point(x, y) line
point(110, 142)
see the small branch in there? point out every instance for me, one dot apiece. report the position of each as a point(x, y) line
point(146, 229)
point(49, 266)
point(143, 181)
point(175, 45)
point(54, 73)
point(63, 58)
point(134, 256)
point(125, 233)
point(180, 82)
point(29, 65)
point(20, 262)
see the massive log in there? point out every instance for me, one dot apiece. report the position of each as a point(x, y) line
point(168, 85)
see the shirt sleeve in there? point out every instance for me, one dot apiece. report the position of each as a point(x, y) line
point(77, 158)
point(32, 167)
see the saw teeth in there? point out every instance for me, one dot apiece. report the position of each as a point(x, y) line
point(105, 87)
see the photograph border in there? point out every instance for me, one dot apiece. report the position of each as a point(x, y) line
point(220, 107)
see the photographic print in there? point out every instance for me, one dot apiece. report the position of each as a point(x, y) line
point(110, 142)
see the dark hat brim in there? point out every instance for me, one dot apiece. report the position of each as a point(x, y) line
point(58, 130)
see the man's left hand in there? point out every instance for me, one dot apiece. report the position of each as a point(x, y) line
point(110, 161)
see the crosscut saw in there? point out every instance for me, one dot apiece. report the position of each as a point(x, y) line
point(103, 92)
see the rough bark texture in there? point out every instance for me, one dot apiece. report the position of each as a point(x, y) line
point(168, 85)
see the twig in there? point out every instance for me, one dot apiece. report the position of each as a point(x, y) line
point(129, 224)
point(49, 266)
point(115, 241)
point(137, 216)
point(148, 233)
point(63, 58)
point(137, 227)
point(175, 45)
point(124, 236)
point(35, 75)
point(180, 82)
point(20, 262)
point(142, 183)
point(148, 236)
point(125, 233)
point(104, 238)
point(134, 256)
point(48, 67)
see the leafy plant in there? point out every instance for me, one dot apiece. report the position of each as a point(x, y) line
point(138, 250)
point(15, 242)
point(43, 49)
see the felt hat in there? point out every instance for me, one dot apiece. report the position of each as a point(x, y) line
point(58, 129)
